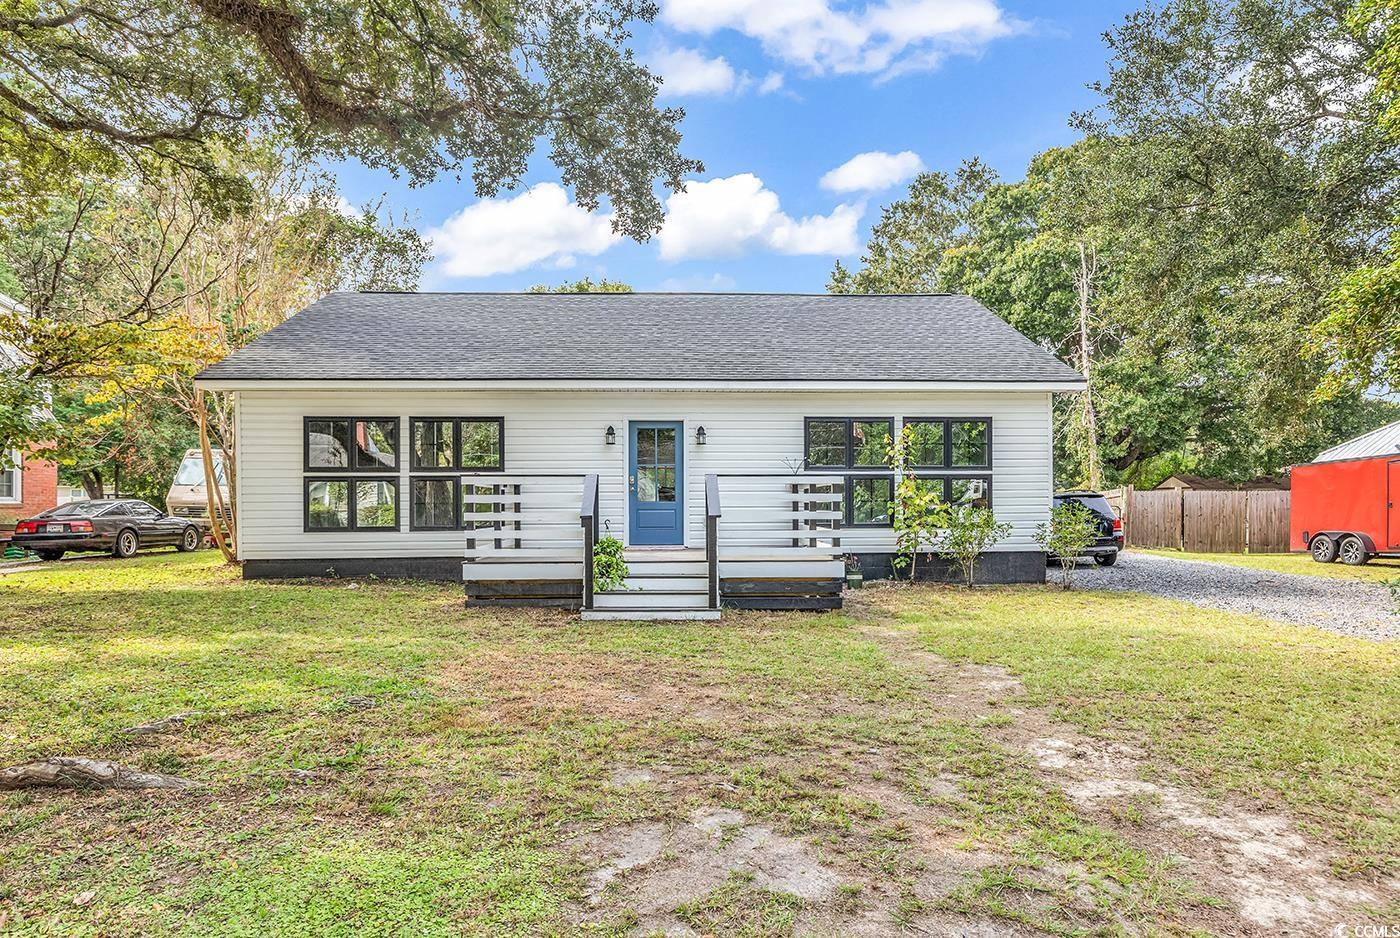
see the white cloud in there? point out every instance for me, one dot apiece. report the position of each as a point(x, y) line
point(772, 82)
point(728, 216)
point(345, 207)
point(500, 236)
point(687, 72)
point(818, 234)
point(871, 172)
point(886, 36)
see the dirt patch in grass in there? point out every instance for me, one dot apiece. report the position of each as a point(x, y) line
point(534, 688)
point(719, 871)
point(1277, 880)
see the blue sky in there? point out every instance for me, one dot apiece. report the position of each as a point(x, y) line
point(778, 94)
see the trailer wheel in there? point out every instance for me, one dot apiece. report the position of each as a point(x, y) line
point(1352, 551)
point(1324, 549)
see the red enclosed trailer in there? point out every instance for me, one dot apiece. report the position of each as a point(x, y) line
point(1346, 505)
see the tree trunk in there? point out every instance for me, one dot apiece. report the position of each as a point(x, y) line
point(1089, 425)
point(92, 482)
point(219, 515)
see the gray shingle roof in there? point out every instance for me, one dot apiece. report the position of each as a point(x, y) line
point(642, 337)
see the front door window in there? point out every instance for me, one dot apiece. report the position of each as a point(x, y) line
point(656, 464)
point(655, 484)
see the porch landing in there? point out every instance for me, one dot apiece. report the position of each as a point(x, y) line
point(779, 548)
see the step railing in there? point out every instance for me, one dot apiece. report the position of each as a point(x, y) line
point(712, 516)
point(514, 516)
point(780, 547)
point(588, 520)
point(782, 513)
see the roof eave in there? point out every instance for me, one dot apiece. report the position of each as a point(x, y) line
point(216, 383)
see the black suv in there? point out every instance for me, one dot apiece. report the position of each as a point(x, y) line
point(1110, 540)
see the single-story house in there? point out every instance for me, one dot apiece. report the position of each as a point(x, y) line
point(735, 443)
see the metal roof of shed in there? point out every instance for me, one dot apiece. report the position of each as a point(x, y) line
point(643, 337)
point(1383, 441)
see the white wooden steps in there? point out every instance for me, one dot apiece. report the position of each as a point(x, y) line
point(662, 584)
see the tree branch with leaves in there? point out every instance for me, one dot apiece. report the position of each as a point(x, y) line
point(418, 86)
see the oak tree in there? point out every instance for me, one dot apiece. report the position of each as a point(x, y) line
point(112, 87)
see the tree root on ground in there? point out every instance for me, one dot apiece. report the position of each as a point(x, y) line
point(66, 772)
point(168, 725)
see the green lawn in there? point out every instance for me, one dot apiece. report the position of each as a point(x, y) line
point(1381, 568)
point(504, 747)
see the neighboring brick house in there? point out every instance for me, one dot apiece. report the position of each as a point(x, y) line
point(27, 488)
point(28, 485)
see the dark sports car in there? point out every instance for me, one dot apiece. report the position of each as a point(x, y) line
point(119, 525)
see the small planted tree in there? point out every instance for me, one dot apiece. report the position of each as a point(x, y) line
point(968, 532)
point(917, 516)
point(1070, 530)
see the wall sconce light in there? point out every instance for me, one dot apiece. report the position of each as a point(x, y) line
point(610, 436)
point(700, 437)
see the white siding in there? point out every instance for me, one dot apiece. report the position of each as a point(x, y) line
point(552, 431)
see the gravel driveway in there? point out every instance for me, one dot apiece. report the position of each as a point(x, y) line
point(1351, 607)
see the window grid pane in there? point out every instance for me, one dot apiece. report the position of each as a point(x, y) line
point(376, 444)
point(870, 441)
point(433, 503)
point(433, 445)
point(870, 498)
point(666, 446)
point(969, 442)
point(826, 443)
point(975, 492)
point(326, 444)
point(938, 487)
point(328, 505)
point(927, 438)
point(376, 504)
point(481, 444)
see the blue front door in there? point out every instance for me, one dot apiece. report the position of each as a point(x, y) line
point(655, 484)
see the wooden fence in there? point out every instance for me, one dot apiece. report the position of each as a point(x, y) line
point(1204, 521)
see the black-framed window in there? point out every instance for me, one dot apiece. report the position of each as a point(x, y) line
point(961, 489)
point(351, 503)
point(826, 442)
point(470, 444)
point(445, 503)
point(928, 443)
point(354, 444)
point(970, 444)
point(869, 500)
point(433, 503)
point(951, 442)
point(432, 443)
point(847, 442)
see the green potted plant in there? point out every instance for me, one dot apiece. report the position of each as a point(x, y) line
point(854, 576)
point(609, 569)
